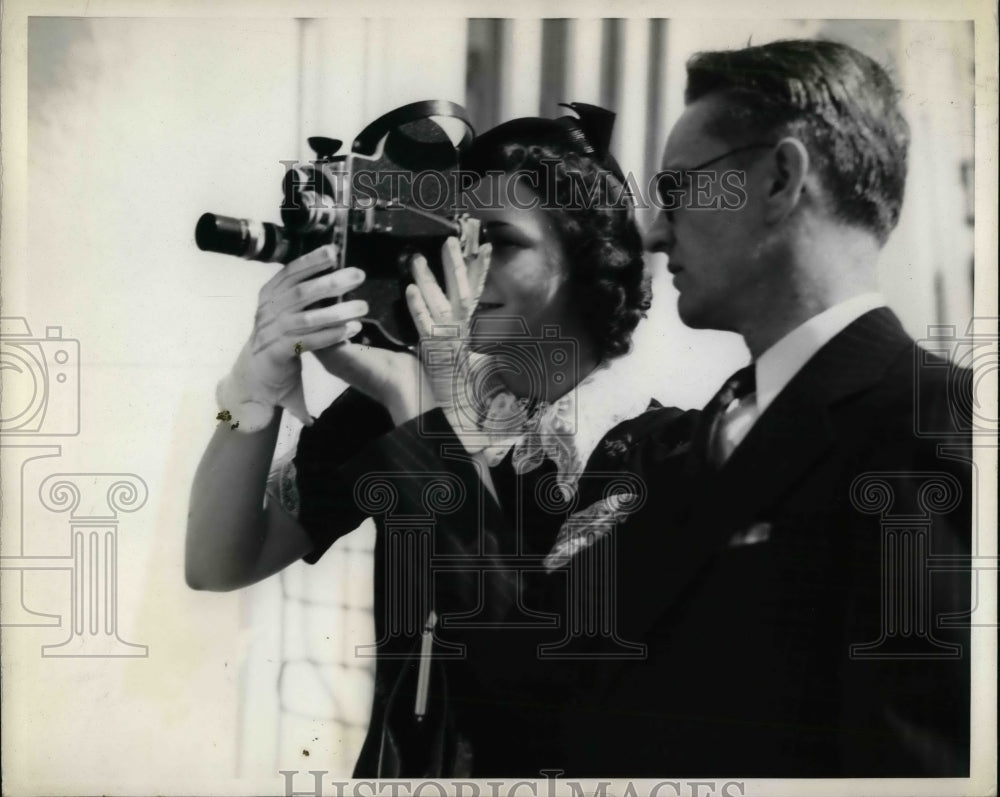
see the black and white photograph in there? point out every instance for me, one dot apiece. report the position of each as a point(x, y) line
point(494, 399)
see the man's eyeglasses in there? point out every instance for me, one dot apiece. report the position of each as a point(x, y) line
point(673, 185)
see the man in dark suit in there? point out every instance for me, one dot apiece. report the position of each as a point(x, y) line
point(788, 600)
point(774, 587)
point(799, 613)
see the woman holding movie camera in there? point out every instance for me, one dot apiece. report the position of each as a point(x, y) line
point(518, 404)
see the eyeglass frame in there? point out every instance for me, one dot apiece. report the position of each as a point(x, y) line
point(669, 211)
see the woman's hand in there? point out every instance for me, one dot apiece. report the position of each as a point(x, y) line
point(443, 323)
point(268, 372)
point(391, 378)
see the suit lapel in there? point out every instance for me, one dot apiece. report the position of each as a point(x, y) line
point(797, 428)
point(795, 431)
point(696, 462)
point(792, 435)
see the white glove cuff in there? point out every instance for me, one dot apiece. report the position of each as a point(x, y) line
point(239, 408)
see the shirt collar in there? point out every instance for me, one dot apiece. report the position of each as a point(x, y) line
point(776, 366)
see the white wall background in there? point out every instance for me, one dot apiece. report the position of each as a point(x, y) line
point(134, 127)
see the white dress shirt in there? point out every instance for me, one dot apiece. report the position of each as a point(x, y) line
point(776, 367)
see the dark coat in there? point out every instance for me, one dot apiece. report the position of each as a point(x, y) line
point(795, 607)
point(748, 621)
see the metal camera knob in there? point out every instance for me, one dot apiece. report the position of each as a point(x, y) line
point(325, 148)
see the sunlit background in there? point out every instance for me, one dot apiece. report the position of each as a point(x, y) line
point(135, 127)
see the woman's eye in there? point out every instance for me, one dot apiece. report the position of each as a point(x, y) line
point(508, 245)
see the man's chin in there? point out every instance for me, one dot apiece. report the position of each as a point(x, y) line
point(691, 314)
point(699, 318)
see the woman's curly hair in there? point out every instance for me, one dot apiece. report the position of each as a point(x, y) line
point(593, 216)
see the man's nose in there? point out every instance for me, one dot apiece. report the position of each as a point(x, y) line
point(659, 235)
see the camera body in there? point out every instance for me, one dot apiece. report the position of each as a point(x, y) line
point(41, 392)
point(393, 195)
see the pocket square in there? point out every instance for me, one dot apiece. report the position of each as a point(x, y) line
point(752, 535)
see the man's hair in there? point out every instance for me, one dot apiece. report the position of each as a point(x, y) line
point(593, 215)
point(840, 103)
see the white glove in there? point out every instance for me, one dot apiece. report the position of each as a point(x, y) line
point(268, 372)
point(443, 324)
point(255, 386)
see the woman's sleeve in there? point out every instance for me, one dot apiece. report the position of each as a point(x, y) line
point(323, 495)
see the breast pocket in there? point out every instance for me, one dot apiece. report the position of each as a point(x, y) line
point(754, 534)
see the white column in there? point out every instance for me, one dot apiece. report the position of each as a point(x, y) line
point(629, 143)
point(408, 60)
point(332, 79)
point(355, 70)
point(931, 249)
point(583, 61)
point(665, 100)
point(520, 68)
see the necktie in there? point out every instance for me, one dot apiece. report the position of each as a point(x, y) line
point(738, 386)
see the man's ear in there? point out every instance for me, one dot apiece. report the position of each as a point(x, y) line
point(789, 168)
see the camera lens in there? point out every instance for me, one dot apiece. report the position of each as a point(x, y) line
point(313, 213)
point(253, 240)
